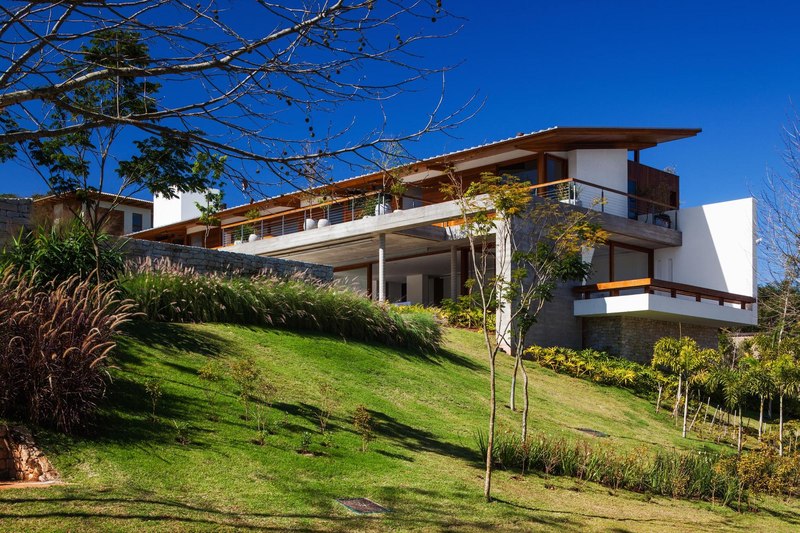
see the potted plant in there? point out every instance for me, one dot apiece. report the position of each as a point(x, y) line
point(569, 193)
point(251, 215)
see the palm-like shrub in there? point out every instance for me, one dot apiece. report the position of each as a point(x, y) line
point(175, 294)
point(54, 342)
point(59, 253)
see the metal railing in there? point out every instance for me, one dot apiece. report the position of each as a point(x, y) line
point(606, 200)
point(661, 287)
point(336, 211)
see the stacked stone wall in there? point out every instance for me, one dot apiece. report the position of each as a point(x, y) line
point(634, 337)
point(15, 213)
point(207, 261)
point(20, 459)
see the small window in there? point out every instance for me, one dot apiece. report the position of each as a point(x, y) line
point(137, 223)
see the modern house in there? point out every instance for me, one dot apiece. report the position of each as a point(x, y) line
point(665, 269)
point(127, 214)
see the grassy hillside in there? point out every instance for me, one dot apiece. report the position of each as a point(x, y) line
point(131, 474)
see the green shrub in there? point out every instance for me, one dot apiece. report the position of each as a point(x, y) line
point(677, 475)
point(173, 294)
point(60, 253)
point(598, 367)
point(466, 312)
point(54, 341)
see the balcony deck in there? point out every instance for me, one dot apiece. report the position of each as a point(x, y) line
point(665, 300)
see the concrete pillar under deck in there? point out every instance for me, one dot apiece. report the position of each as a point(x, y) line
point(454, 273)
point(381, 267)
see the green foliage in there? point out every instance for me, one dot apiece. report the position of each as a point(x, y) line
point(305, 442)
point(182, 435)
point(598, 367)
point(246, 374)
point(364, 426)
point(179, 295)
point(154, 387)
point(54, 343)
point(669, 473)
point(465, 312)
point(58, 254)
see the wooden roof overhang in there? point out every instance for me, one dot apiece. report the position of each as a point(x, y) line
point(566, 139)
point(557, 139)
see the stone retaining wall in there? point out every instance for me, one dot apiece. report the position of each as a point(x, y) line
point(15, 213)
point(634, 337)
point(20, 459)
point(208, 261)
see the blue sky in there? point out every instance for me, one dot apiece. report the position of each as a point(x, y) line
point(727, 67)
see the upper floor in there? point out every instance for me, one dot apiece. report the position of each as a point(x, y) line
point(598, 168)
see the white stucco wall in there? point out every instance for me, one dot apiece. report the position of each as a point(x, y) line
point(718, 249)
point(169, 210)
point(356, 279)
point(606, 167)
point(127, 214)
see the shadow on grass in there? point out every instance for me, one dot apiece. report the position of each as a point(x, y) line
point(432, 510)
point(166, 336)
point(387, 428)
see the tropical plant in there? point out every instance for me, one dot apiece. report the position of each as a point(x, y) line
point(60, 252)
point(686, 359)
point(786, 376)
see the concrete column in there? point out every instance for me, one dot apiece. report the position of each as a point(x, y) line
point(454, 279)
point(381, 267)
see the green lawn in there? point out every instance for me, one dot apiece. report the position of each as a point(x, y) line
point(131, 474)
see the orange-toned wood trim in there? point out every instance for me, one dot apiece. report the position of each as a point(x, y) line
point(674, 288)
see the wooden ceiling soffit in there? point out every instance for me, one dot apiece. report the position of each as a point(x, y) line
point(550, 145)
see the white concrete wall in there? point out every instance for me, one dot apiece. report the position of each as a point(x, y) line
point(127, 214)
point(170, 210)
point(356, 279)
point(606, 167)
point(718, 251)
point(416, 288)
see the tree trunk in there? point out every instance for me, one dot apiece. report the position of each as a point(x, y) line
point(760, 417)
point(487, 485)
point(739, 440)
point(658, 401)
point(96, 248)
point(696, 413)
point(678, 397)
point(685, 407)
point(708, 406)
point(525, 402)
point(512, 404)
point(780, 428)
point(769, 408)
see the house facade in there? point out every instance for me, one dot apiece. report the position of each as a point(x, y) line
point(126, 214)
point(665, 270)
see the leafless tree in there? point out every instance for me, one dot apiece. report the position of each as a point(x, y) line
point(779, 231)
point(252, 80)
